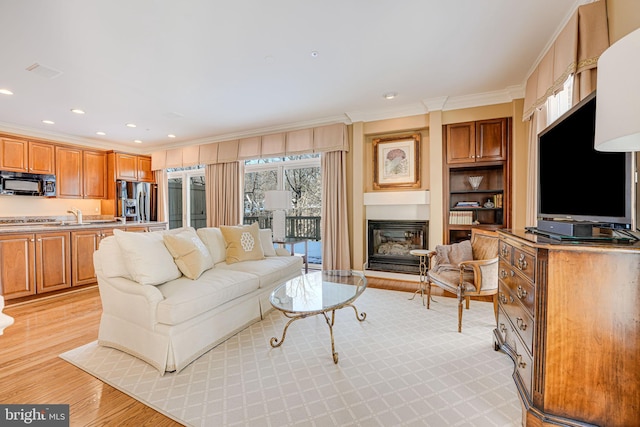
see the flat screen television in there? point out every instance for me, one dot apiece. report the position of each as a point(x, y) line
point(578, 183)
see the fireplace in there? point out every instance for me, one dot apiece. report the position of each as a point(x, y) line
point(390, 241)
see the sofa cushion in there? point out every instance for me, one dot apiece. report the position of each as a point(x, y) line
point(185, 299)
point(243, 243)
point(189, 253)
point(269, 270)
point(214, 241)
point(147, 258)
point(112, 264)
point(266, 239)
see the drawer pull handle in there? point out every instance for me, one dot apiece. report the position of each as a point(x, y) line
point(503, 298)
point(522, 293)
point(522, 263)
point(521, 364)
point(521, 325)
point(503, 273)
point(504, 252)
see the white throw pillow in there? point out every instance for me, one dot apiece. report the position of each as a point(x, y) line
point(266, 239)
point(112, 260)
point(214, 241)
point(146, 257)
point(191, 255)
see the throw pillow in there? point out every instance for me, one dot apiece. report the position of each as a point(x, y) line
point(454, 254)
point(243, 243)
point(267, 242)
point(147, 258)
point(214, 241)
point(191, 255)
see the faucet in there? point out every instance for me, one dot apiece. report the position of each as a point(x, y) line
point(78, 214)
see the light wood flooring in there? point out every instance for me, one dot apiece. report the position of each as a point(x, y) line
point(32, 373)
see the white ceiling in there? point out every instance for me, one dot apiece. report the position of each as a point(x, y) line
point(210, 70)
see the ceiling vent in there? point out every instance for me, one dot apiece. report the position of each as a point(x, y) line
point(44, 71)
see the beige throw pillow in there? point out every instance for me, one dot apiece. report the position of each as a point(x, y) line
point(191, 255)
point(267, 242)
point(243, 243)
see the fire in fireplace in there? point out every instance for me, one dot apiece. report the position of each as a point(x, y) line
point(390, 241)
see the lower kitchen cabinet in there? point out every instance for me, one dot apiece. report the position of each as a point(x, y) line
point(34, 263)
point(84, 244)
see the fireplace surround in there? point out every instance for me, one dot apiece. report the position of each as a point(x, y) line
point(390, 241)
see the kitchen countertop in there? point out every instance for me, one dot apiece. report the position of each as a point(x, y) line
point(37, 225)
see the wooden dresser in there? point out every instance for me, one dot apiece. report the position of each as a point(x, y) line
point(569, 317)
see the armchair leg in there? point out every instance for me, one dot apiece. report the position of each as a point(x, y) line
point(460, 299)
point(428, 293)
point(468, 300)
point(495, 306)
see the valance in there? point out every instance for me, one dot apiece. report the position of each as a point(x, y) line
point(312, 140)
point(575, 50)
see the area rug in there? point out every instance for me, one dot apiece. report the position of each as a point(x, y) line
point(403, 366)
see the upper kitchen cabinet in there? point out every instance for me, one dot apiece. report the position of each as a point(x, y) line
point(473, 142)
point(94, 174)
point(69, 172)
point(27, 156)
point(129, 167)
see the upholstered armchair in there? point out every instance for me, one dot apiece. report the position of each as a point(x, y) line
point(468, 268)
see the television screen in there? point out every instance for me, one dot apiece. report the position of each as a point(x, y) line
point(577, 182)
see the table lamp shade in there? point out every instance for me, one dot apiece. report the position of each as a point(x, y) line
point(278, 202)
point(618, 96)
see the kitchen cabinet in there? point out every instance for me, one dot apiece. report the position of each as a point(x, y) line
point(129, 167)
point(19, 155)
point(69, 172)
point(569, 318)
point(474, 142)
point(17, 265)
point(486, 157)
point(34, 263)
point(94, 174)
point(84, 243)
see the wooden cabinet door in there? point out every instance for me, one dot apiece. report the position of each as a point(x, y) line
point(126, 167)
point(17, 264)
point(53, 261)
point(42, 158)
point(461, 143)
point(69, 172)
point(145, 174)
point(94, 174)
point(84, 244)
point(14, 155)
point(491, 140)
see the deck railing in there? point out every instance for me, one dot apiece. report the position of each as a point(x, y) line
point(306, 227)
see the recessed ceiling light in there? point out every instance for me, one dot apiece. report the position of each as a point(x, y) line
point(6, 92)
point(314, 54)
point(131, 125)
point(390, 95)
point(48, 122)
point(100, 133)
point(77, 111)
point(171, 135)
point(137, 141)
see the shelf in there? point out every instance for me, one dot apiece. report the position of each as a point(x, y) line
point(475, 209)
point(476, 191)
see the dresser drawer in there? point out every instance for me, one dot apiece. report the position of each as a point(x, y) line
point(518, 315)
point(525, 263)
point(505, 251)
point(522, 360)
point(519, 287)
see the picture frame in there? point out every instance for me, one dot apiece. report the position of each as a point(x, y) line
point(396, 162)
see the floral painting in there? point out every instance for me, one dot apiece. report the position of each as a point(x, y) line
point(396, 162)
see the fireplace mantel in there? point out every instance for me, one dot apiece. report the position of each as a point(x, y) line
point(397, 205)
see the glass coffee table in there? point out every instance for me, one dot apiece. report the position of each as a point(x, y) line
point(318, 293)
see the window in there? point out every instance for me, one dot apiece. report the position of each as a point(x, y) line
point(298, 174)
point(187, 198)
point(560, 103)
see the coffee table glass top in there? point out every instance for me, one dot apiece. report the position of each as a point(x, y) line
point(319, 291)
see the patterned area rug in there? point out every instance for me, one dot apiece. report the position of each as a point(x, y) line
point(404, 365)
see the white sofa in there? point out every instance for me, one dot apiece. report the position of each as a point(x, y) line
point(171, 323)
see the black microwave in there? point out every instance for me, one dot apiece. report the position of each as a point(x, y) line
point(27, 184)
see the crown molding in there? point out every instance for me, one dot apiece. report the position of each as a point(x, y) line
point(435, 104)
point(404, 110)
point(486, 98)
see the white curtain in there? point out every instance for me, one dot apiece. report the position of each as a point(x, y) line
point(336, 254)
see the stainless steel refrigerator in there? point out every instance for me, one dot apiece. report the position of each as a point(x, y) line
point(137, 201)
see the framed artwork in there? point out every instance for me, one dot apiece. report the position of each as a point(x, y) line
point(396, 162)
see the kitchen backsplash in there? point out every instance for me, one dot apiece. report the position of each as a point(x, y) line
point(11, 206)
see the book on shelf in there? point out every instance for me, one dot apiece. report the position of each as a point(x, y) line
point(461, 218)
point(467, 205)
